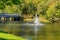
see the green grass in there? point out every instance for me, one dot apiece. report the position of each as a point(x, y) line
point(4, 36)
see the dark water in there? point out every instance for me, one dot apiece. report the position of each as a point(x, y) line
point(46, 32)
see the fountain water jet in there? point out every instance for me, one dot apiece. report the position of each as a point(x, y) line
point(35, 25)
point(36, 22)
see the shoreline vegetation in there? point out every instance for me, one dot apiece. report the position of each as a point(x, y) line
point(48, 11)
point(43, 19)
point(30, 18)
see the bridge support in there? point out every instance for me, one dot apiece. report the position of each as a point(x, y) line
point(2, 18)
point(11, 19)
point(5, 19)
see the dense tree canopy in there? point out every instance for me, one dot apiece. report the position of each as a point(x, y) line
point(47, 8)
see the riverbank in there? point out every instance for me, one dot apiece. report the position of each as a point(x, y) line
point(43, 20)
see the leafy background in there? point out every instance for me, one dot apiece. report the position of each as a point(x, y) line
point(47, 8)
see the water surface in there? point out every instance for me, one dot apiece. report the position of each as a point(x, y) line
point(46, 32)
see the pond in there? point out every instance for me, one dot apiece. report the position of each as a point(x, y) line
point(46, 32)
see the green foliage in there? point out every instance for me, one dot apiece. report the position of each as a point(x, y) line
point(2, 6)
point(2, 39)
point(58, 6)
point(4, 1)
point(29, 9)
point(9, 3)
point(58, 10)
point(16, 2)
point(47, 8)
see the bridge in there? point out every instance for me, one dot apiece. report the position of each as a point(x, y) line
point(10, 17)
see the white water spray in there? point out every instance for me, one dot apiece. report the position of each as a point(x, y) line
point(36, 22)
point(36, 25)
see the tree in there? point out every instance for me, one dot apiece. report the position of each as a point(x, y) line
point(29, 9)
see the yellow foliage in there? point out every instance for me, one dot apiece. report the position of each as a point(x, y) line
point(35, 1)
point(43, 19)
point(0, 11)
point(14, 7)
point(10, 9)
point(27, 1)
point(51, 8)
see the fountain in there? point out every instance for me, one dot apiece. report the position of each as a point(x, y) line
point(35, 25)
point(36, 22)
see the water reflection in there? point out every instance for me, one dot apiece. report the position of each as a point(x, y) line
point(17, 28)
